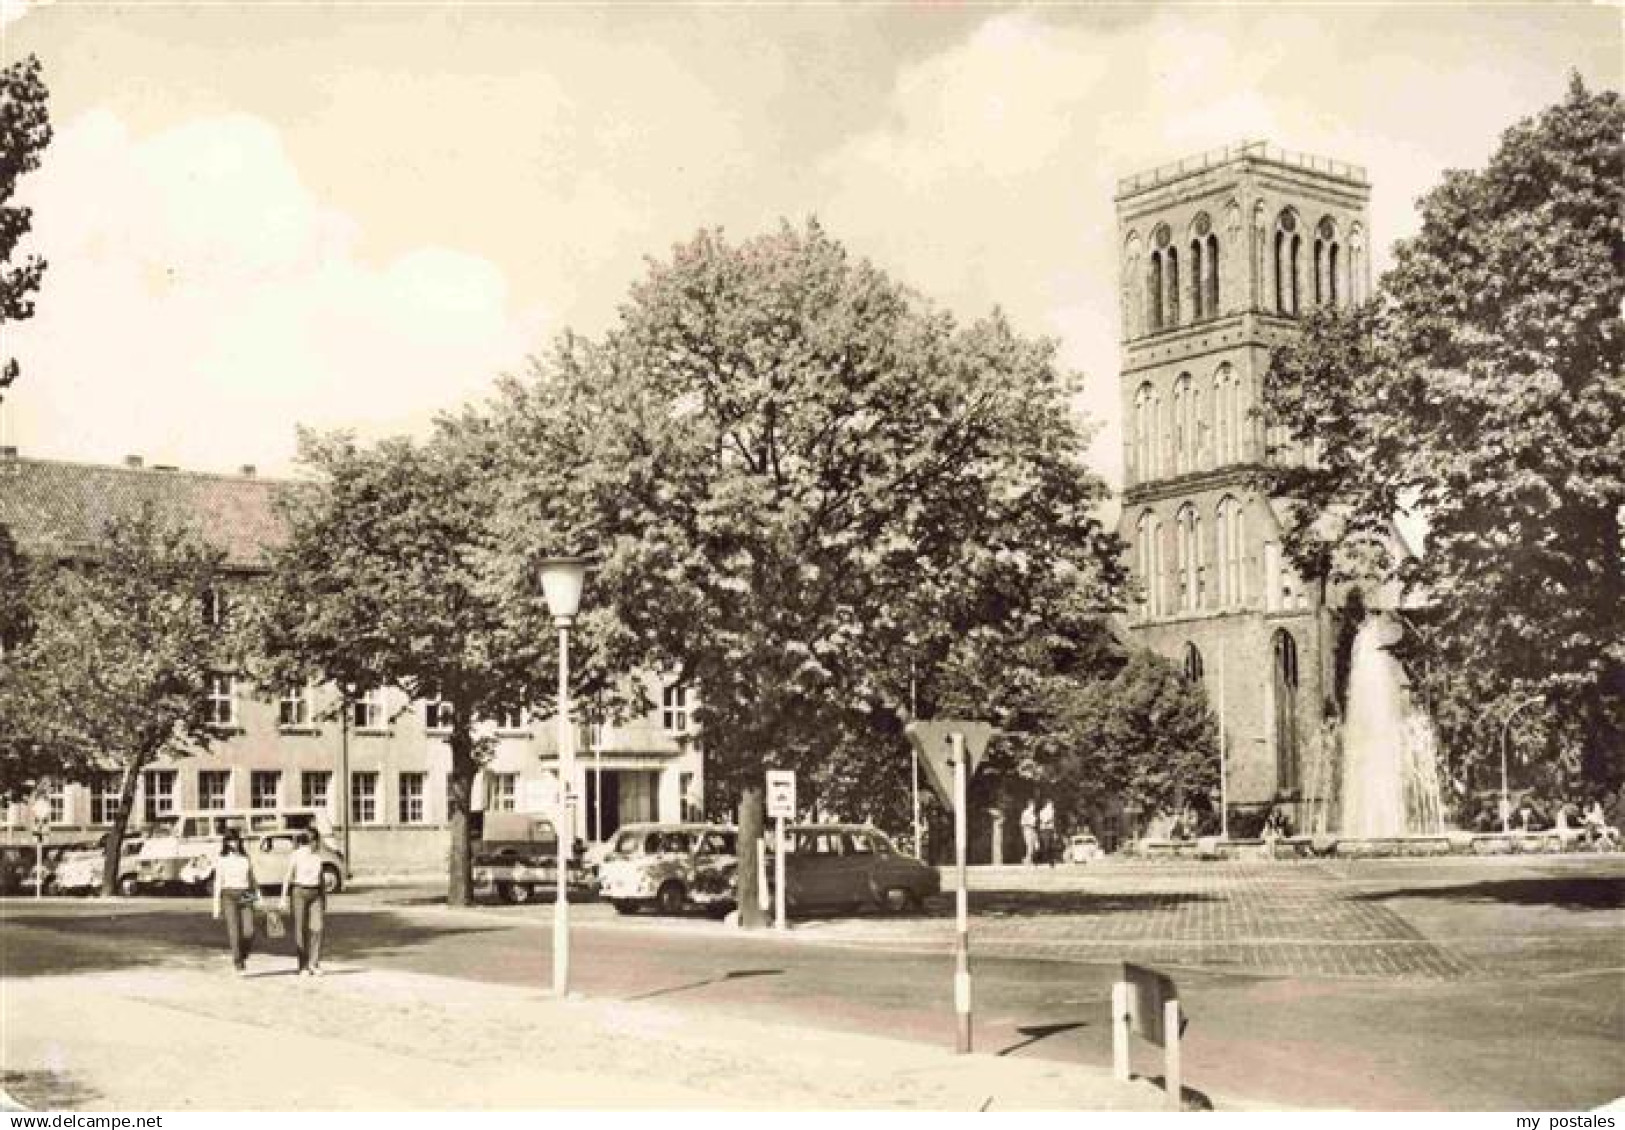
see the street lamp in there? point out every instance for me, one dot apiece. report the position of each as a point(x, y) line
point(562, 581)
point(1506, 725)
point(41, 811)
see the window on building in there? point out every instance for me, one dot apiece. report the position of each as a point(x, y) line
point(688, 796)
point(1232, 535)
point(57, 796)
point(214, 607)
point(316, 789)
point(367, 712)
point(1192, 558)
point(504, 792)
point(1187, 416)
point(1193, 663)
point(213, 786)
point(411, 795)
point(364, 797)
point(105, 797)
point(1286, 711)
point(1171, 278)
point(437, 715)
point(222, 696)
point(265, 788)
point(674, 709)
point(1198, 283)
point(157, 794)
point(293, 709)
point(1213, 276)
point(1149, 563)
point(511, 720)
point(1153, 289)
point(589, 736)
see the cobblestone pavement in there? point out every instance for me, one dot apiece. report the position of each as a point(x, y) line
point(1301, 919)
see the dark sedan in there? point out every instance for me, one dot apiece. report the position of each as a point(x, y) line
point(846, 866)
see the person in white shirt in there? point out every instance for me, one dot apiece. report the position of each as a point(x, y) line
point(1029, 832)
point(236, 892)
point(302, 890)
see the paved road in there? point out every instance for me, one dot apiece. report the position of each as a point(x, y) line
point(1427, 985)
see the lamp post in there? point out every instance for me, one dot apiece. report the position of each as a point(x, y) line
point(562, 581)
point(41, 811)
point(1506, 726)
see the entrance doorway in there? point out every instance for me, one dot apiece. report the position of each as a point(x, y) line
point(620, 796)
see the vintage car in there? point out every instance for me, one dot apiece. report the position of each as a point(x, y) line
point(169, 857)
point(517, 853)
point(80, 872)
point(670, 868)
point(1083, 848)
point(269, 856)
point(845, 866)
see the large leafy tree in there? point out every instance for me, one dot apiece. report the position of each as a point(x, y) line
point(1482, 392)
point(378, 585)
point(807, 484)
point(110, 669)
point(25, 131)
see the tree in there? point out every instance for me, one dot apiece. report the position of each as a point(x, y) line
point(378, 585)
point(25, 131)
point(1144, 737)
point(113, 668)
point(805, 484)
point(1482, 391)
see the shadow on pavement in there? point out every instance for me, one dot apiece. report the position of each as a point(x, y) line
point(44, 1090)
point(731, 975)
point(1037, 1032)
point(1578, 893)
point(1028, 904)
point(127, 940)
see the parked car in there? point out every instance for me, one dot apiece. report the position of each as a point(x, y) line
point(844, 866)
point(518, 854)
point(268, 854)
point(1083, 848)
point(16, 865)
point(38, 874)
point(80, 872)
point(172, 846)
point(670, 867)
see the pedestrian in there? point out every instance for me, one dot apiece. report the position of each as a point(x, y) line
point(236, 892)
point(1046, 831)
point(304, 895)
point(1029, 831)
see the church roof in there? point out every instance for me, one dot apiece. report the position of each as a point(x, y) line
point(59, 508)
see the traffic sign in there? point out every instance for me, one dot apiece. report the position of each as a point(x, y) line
point(934, 740)
point(781, 793)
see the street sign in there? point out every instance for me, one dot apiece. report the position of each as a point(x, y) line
point(933, 739)
point(1148, 997)
point(781, 794)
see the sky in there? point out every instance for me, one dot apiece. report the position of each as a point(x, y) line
point(344, 215)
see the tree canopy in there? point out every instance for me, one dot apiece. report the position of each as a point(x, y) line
point(1481, 390)
point(25, 131)
point(807, 486)
point(112, 664)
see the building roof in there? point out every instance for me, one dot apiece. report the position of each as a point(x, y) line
point(1256, 151)
point(60, 508)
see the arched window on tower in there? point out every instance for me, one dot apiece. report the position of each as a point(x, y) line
point(1148, 563)
point(1213, 276)
point(1320, 271)
point(1153, 291)
point(1198, 294)
point(1286, 711)
point(1281, 289)
point(1193, 663)
point(1288, 263)
point(1185, 421)
point(1296, 256)
point(1232, 542)
point(1228, 421)
point(1171, 287)
point(1145, 423)
point(1191, 559)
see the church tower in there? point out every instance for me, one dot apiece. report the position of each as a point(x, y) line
point(1220, 255)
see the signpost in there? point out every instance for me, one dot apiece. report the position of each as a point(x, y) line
point(1146, 1003)
point(42, 821)
point(951, 749)
point(781, 806)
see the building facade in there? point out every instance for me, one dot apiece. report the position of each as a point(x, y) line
point(291, 747)
point(1220, 256)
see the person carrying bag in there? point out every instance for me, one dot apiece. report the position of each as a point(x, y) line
point(235, 894)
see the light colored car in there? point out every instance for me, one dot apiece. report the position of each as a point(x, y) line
point(1083, 848)
point(80, 872)
point(269, 856)
point(843, 866)
point(670, 867)
point(167, 856)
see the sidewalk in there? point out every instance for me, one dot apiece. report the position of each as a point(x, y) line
point(190, 1036)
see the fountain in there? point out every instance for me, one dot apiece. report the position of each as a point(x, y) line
point(1390, 781)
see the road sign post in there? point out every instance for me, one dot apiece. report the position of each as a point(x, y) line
point(951, 749)
point(1145, 1003)
point(781, 805)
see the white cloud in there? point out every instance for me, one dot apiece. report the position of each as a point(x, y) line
point(200, 301)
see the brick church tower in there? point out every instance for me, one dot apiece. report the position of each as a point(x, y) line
point(1220, 255)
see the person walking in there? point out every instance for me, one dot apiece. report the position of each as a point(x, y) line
point(1046, 832)
point(304, 896)
point(1029, 831)
point(235, 893)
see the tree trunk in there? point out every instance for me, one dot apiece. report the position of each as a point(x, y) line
point(459, 796)
point(751, 915)
point(113, 850)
